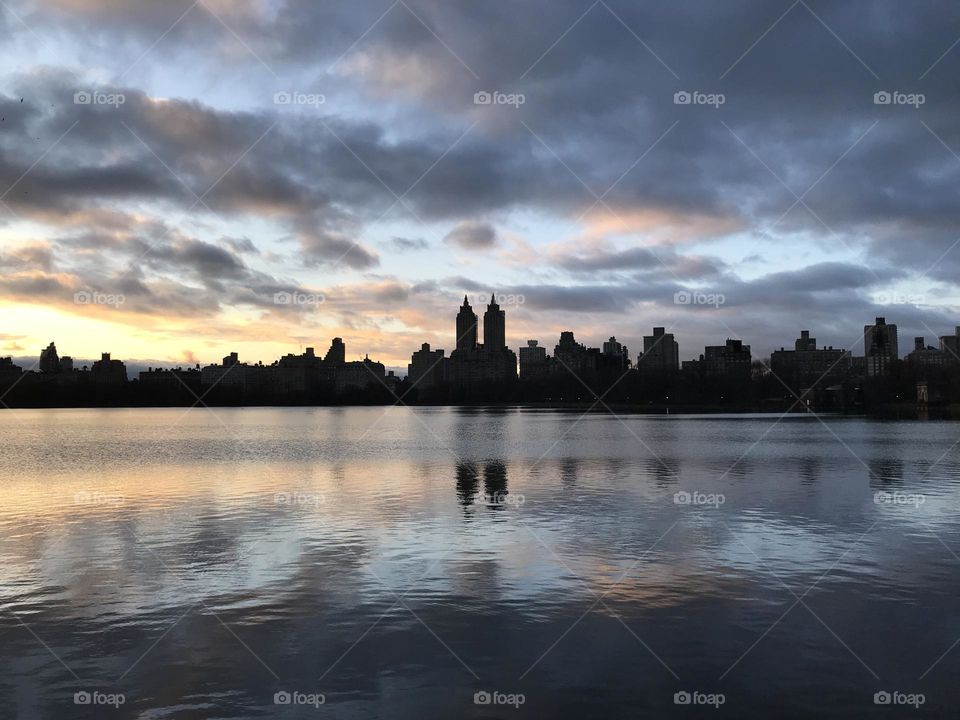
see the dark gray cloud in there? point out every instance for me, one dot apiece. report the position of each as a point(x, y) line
point(472, 235)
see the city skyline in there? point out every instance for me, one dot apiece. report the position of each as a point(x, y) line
point(877, 338)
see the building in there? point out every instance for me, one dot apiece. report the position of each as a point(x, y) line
point(337, 354)
point(294, 376)
point(466, 327)
point(924, 358)
point(950, 345)
point(879, 347)
point(807, 367)
point(107, 371)
point(359, 375)
point(229, 374)
point(534, 362)
point(494, 327)
point(49, 360)
point(9, 371)
point(571, 357)
point(172, 381)
point(472, 365)
point(426, 368)
point(615, 356)
point(661, 353)
point(730, 361)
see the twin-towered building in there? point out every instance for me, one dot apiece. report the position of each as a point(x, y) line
point(474, 365)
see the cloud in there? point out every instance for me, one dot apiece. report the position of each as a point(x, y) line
point(472, 235)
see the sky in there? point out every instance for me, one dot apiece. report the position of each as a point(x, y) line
point(179, 179)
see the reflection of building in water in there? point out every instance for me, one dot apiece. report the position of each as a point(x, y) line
point(809, 470)
point(665, 470)
point(885, 471)
point(495, 481)
point(569, 470)
point(467, 481)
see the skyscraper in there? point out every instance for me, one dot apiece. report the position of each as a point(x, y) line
point(661, 353)
point(533, 361)
point(494, 327)
point(50, 360)
point(466, 327)
point(879, 346)
point(492, 364)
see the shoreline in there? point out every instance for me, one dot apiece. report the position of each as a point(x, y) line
point(902, 411)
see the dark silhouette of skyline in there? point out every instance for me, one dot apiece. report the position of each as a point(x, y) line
point(724, 376)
